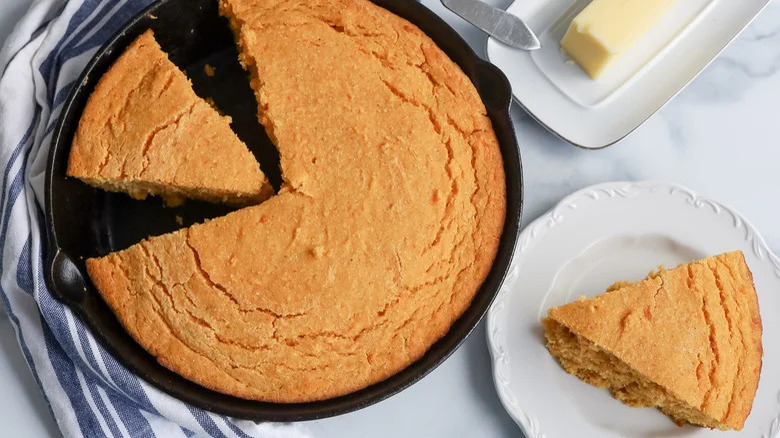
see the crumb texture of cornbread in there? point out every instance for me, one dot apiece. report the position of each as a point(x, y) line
point(685, 340)
point(145, 132)
point(387, 223)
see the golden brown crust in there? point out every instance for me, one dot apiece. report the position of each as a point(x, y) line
point(694, 330)
point(389, 221)
point(733, 274)
point(145, 131)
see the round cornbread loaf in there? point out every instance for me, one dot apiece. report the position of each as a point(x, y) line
point(386, 226)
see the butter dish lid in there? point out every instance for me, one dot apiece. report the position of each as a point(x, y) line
point(597, 113)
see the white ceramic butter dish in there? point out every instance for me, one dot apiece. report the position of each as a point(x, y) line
point(597, 113)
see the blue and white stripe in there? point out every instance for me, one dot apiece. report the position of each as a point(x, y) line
point(90, 393)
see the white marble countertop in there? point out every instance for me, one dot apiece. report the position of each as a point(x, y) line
point(719, 137)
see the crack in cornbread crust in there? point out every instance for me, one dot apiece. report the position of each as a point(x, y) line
point(389, 220)
point(144, 131)
point(712, 365)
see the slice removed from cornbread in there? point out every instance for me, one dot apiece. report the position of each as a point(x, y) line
point(144, 131)
point(685, 340)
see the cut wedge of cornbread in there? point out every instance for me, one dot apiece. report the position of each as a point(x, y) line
point(145, 132)
point(686, 340)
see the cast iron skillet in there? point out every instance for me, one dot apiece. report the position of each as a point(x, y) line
point(84, 222)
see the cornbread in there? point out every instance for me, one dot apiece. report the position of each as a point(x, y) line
point(144, 131)
point(686, 340)
point(387, 223)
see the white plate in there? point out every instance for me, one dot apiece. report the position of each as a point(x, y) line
point(605, 233)
point(596, 113)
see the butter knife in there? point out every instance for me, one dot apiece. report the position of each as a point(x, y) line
point(499, 24)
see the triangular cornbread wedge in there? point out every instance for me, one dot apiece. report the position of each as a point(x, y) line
point(685, 340)
point(144, 131)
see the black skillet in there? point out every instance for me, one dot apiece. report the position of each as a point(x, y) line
point(84, 222)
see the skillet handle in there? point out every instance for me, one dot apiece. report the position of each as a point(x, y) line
point(493, 87)
point(65, 280)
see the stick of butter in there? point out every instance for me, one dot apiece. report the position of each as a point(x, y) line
point(606, 29)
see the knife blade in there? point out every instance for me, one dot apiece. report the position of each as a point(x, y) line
point(499, 24)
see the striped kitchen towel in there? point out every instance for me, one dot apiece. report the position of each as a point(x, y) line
point(90, 393)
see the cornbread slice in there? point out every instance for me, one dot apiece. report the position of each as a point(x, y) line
point(386, 226)
point(144, 131)
point(686, 340)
